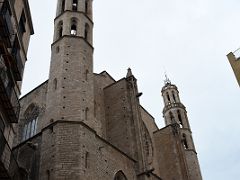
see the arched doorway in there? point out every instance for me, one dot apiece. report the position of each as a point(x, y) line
point(120, 176)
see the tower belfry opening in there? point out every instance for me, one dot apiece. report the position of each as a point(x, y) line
point(175, 113)
point(73, 27)
point(86, 6)
point(63, 6)
point(75, 5)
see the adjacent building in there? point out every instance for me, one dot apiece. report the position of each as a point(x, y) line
point(234, 59)
point(83, 125)
point(15, 30)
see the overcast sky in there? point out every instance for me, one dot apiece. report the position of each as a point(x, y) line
point(187, 38)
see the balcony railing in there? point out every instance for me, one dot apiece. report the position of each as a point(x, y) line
point(173, 105)
point(6, 26)
point(17, 64)
point(8, 164)
point(8, 96)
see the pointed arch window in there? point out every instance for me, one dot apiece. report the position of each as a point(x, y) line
point(180, 118)
point(86, 32)
point(31, 122)
point(184, 141)
point(74, 5)
point(73, 30)
point(30, 129)
point(174, 97)
point(168, 97)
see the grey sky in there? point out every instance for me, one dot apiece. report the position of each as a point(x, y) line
point(189, 39)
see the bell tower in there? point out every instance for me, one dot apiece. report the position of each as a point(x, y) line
point(174, 112)
point(70, 86)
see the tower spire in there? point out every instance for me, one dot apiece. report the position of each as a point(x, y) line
point(167, 80)
point(129, 72)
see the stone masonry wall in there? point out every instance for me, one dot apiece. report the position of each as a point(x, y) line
point(120, 125)
point(170, 155)
point(78, 153)
point(100, 82)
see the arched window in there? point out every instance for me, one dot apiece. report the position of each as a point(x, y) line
point(74, 5)
point(86, 31)
point(31, 121)
point(30, 129)
point(171, 117)
point(168, 97)
point(184, 140)
point(174, 98)
point(86, 6)
point(120, 176)
point(60, 29)
point(73, 27)
point(180, 118)
point(63, 6)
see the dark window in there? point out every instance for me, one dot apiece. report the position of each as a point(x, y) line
point(86, 75)
point(48, 174)
point(180, 118)
point(168, 97)
point(86, 159)
point(63, 6)
point(86, 6)
point(22, 22)
point(86, 113)
point(174, 98)
point(184, 140)
point(73, 27)
point(86, 31)
point(75, 5)
point(74, 30)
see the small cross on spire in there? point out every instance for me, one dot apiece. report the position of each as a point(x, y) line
point(167, 80)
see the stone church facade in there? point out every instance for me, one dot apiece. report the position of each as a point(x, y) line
point(81, 125)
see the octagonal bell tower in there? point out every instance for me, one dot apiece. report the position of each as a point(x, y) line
point(175, 114)
point(70, 86)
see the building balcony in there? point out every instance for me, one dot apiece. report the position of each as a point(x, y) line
point(173, 105)
point(8, 96)
point(17, 65)
point(6, 26)
point(14, 58)
point(8, 165)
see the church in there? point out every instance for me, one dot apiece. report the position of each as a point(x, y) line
point(81, 125)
